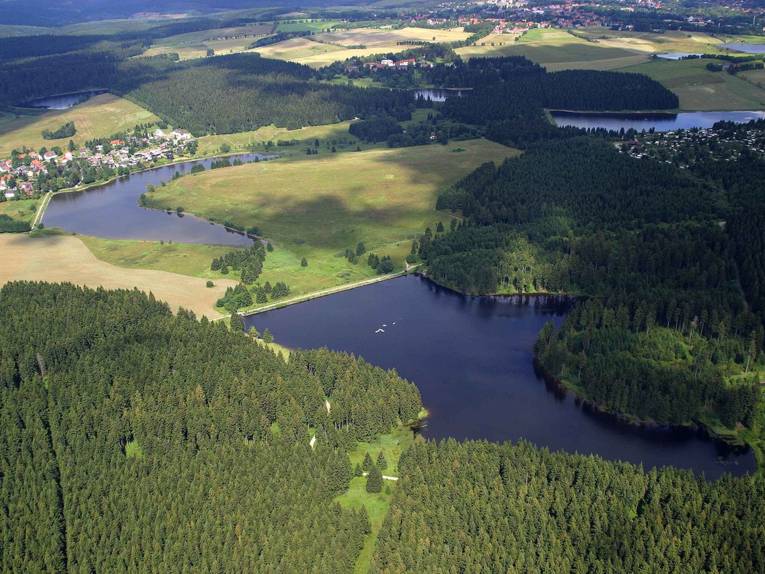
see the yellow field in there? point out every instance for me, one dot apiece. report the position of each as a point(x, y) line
point(323, 49)
point(318, 207)
point(67, 259)
point(100, 116)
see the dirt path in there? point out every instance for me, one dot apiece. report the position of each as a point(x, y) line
point(65, 258)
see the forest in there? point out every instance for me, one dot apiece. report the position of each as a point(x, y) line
point(664, 332)
point(136, 440)
point(488, 507)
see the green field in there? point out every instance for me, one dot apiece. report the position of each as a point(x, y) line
point(306, 25)
point(221, 40)
point(100, 116)
point(700, 89)
point(20, 209)
point(376, 505)
point(555, 49)
point(184, 258)
point(256, 140)
point(320, 206)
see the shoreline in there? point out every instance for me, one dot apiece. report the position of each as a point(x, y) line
point(729, 440)
point(325, 293)
point(89, 186)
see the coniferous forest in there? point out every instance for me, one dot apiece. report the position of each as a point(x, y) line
point(135, 440)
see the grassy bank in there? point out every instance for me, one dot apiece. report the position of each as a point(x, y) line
point(20, 210)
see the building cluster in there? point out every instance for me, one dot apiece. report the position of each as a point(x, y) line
point(403, 64)
point(687, 147)
point(19, 175)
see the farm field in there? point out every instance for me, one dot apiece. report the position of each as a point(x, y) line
point(306, 25)
point(244, 141)
point(223, 41)
point(67, 259)
point(317, 208)
point(700, 89)
point(554, 49)
point(100, 116)
point(323, 49)
point(654, 43)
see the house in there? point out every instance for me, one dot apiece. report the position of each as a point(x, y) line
point(406, 63)
point(10, 194)
point(181, 135)
point(27, 188)
point(49, 155)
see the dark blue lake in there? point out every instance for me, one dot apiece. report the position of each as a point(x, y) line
point(112, 211)
point(746, 48)
point(472, 359)
point(660, 122)
point(61, 101)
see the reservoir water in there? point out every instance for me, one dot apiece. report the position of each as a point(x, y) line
point(61, 101)
point(112, 211)
point(472, 359)
point(746, 48)
point(660, 122)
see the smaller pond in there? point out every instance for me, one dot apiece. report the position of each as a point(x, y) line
point(440, 94)
point(746, 48)
point(61, 101)
point(112, 211)
point(660, 122)
point(676, 55)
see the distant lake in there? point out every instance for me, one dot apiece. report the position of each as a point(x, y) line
point(112, 211)
point(675, 55)
point(439, 94)
point(61, 102)
point(660, 122)
point(747, 48)
point(472, 359)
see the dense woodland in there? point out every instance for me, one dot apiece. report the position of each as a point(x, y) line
point(486, 507)
point(135, 440)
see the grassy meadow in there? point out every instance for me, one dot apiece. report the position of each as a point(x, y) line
point(20, 209)
point(376, 504)
point(555, 49)
point(246, 141)
point(700, 89)
point(223, 41)
point(100, 116)
point(317, 207)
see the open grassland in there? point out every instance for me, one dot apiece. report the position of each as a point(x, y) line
point(700, 89)
point(376, 504)
point(555, 49)
point(306, 25)
point(244, 141)
point(320, 206)
point(20, 210)
point(100, 116)
point(184, 258)
point(323, 49)
point(62, 258)
point(654, 42)
point(222, 41)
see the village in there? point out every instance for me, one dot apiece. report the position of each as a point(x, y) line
point(30, 173)
point(723, 142)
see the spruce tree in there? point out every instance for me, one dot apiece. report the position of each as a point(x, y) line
point(374, 480)
point(382, 464)
point(367, 464)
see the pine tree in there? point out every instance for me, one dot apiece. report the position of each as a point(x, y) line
point(374, 480)
point(367, 464)
point(237, 323)
point(382, 464)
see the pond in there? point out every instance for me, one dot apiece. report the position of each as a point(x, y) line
point(660, 122)
point(472, 359)
point(440, 94)
point(61, 101)
point(112, 211)
point(746, 48)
